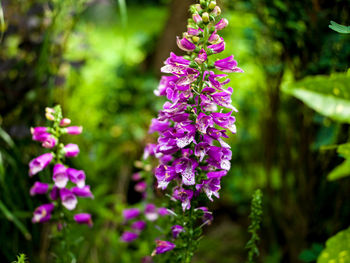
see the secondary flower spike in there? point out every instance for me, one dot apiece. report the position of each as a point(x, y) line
point(67, 184)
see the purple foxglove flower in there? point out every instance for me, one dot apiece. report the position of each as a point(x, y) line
point(186, 167)
point(73, 130)
point(197, 18)
point(130, 213)
point(214, 38)
point(217, 48)
point(151, 212)
point(138, 225)
point(221, 24)
point(184, 196)
point(141, 187)
point(213, 79)
point(65, 122)
point(42, 213)
point(216, 174)
point(68, 199)
point(82, 192)
point(185, 44)
point(39, 163)
point(174, 64)
point(37, 131)
point(202, 56)
point(210, 187)
point(185, 135)
point(60, 176)
point(227, 65)
point(49, 142)
point(224, 99)
point(225, 120)
point(220, 157)
point(163, 246)
point(190, 76)
point(192, 31)
point(201, 150)
point(128, 236)
point(83, 218)
point(55, 192)
point(71, 150)
point(39, 188)
point(76, 176)
point(162, 211)
point(203, 122)
point(207, 104)
point(164, 174)
point(176, 230)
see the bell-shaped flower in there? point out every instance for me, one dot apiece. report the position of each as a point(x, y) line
point(186, 167)
point(42, 213)
point(68, 199)
point(76, 176)
point(197, 18)
point(71, 150)
point(214, 38)
point(128, 236)
point(151, 212)
point(189, 76)
point(163, 246)
point(39, 163)
point(227, 65)
point(130, 213)
point(83, 218)
point(225, 120)
point(185, 44)
point(73, 130)
point(217, 48)
point(138, 225)
point(221, 24)
point(164, 174)
point(224, 99)
point(82, 192)
point(60, 176)
point(39, 188)
point(201, 150)
point(203, 122)
point(184, 196)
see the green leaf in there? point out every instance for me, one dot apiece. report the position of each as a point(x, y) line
point(328, 95)
point(343, 169)
point(337, 248)
point(11, 217)
point(6, 138)
point(339, 28)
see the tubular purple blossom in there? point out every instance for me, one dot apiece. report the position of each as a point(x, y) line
point(73, 130)
point(68, 199)
point(82, 192)
point(39, 163)
point(83, 218)
point(42, 213)
point(60, 176)
point(163, 246)
point(130, 213)
point(71, 150)
point(185, 44)
point(76, 176)
point(128, 236)
point(39, 188)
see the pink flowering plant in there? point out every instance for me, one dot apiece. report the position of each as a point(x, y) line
point(192, 126)
point(66, 184)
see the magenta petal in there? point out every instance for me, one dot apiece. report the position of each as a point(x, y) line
point(39, 163)
point(83, 218)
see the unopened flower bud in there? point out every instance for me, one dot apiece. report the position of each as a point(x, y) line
point(203, 3)
point(65, 122)
point(49, 116)
point(197, 18)
point(212, 5)
point(198, 7)
point(205, 17)
point(216, 11)
point(195, 39)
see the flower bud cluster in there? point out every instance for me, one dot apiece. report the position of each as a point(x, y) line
point(67, 183)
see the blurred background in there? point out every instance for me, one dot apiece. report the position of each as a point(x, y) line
point(100, 60)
